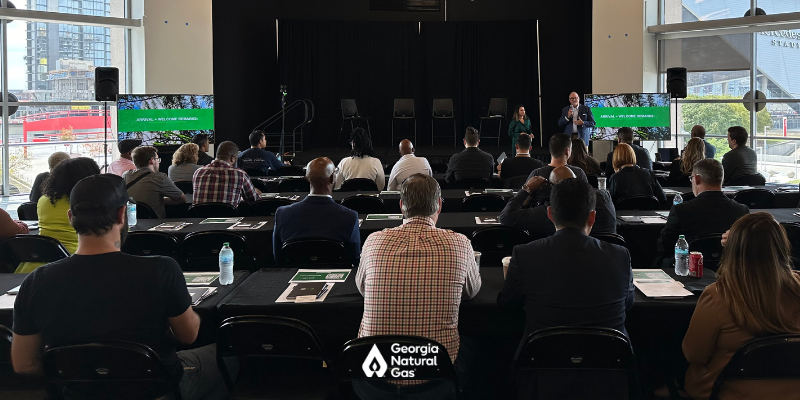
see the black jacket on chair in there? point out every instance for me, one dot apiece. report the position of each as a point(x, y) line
point(635, 181)
point(472, 162)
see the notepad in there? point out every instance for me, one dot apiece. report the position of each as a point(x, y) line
point(487, 221)
point(658, 284)
point(221, 220)
point(200, 278)
point(374, 217)
point(200, 293)
point(169, 226)
point(247, 226)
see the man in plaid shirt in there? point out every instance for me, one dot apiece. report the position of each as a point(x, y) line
point(221, 181)
point(413, 276)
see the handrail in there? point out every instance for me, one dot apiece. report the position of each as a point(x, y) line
point(277, 116)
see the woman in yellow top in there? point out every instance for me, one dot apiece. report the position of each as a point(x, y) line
point(54, 204)
point(520, 124)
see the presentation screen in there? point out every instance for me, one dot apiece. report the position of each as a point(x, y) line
point(646, 113)
point(163, 119)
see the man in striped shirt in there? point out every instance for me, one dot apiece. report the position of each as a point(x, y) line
point(221, 181)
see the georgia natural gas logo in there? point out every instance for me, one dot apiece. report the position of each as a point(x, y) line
point(402, 360)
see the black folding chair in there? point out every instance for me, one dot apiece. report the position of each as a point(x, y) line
point(350, 113)
point(443, 109)
point(574, 362)
point(153, 244)
point(212, 210)
point(471, 183)
point(255, 172)
point(351, 361)
point(111, 369)
point(497, 111)
point(184, 186)
point(201, 250)
point(640, 202)
point(359, 185)
point(364, 204)
point(515, 182)
point(30, 248)
point(294, 185)
point(27, 211)
point(268, 207)
point(687, 196)
point(404, 110)
point(711, 248)
point(313, 252)
point(592, 179)
point(756, 198)
point(612, 238)
point(747, 180)
point(483, 202)
point(279, 358)
point(143, 211)
point(793, 232)
point(496, 242)
point(768, 358)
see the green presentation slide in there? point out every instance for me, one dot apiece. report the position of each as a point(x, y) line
point(615, 117)
point(165, 120)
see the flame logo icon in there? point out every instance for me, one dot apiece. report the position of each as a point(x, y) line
point(374, 364)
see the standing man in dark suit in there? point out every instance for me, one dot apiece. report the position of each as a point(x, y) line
point(472, 162)
point(577, 119)
point(318, 216)
point(643, 159)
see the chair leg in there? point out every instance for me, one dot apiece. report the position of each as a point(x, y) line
point(455, 133)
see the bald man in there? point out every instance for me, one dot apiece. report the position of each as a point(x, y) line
point(534, 219)
point(302, 219)
point(408, 165)
point(577, 119)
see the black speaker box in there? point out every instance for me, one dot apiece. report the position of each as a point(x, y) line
point(106, 83)
point(676, 82)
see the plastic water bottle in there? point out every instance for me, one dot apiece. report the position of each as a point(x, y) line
point(226, 264)
point(681, 256)
point(131, 213)
point(678, 199)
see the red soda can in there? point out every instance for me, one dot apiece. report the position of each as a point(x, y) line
point(696, 264)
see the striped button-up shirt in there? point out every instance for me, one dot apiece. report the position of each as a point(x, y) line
point(219, 182)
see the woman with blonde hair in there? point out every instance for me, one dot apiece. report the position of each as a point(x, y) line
point(184, 163)
point(681, 167)
point(631, 180)
point(756, 294)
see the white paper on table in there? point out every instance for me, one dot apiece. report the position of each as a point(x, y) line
point(661, 288)
point(654, 220)
point(282, 298)
point(7, 302)
point(670, 191)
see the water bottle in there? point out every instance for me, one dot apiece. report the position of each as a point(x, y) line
point(678, 199)
point(226, 264)
point(131, 213)
point(681, 256)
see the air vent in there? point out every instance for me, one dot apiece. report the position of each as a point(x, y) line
point(404, 5)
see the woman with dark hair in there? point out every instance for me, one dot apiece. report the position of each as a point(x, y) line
point(520, 124)
point(361, 163)
point(756, 294)
point(54, 204)
point(580, 158)
point(681, 167)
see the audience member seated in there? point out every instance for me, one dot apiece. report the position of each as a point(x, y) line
point(419, 252)
point(53, 205)
point(756, 294)
point(11, 227)
point(100, 293)
point(522, 163)
point(471, 162)
point(256, 157)
point(302, 219)
point(409, 164)
point(361, 163)
point(534, 219)
point(643, 159)
point(570, 278)
point(681, 167)
point(124, 163)
point(630, 179)
point(580, 158)
point(184, 163)
point(147, 185)
point(52, 161)
point(560, 151)
point(698, 131)
point(711, 211)
point(741, 159)
point(201, 140)
point(221, 182)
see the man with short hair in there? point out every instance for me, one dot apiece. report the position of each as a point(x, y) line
point(560, 150)
point(741, 159)
point(256, 157)
point(100, 293)
point(643, 159)
point(221, 181)
point(124, 163)
point(409, 164)
point(472, 162)
point(201, 140)
point(148, 186)
point(441, 262)
point(577, 119)
point(302, 219)
point(711, 211)
point(698, 131)
point(521, 164)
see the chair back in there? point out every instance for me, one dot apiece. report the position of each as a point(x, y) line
point(143, 211)
point(580, 349)
point(498, 107)
point(768, 358)
point(260, 185)
point(793, 232)
point(682, 181)
point(711, 248)
point(639, 202)
point(290, 170)
point(756, 198)
point(313, 252)
point(349, 108)
point(201, 250)
point(31, 248)
point(668, 153)
point(27, 211)
point(747, 180)
point(294, 185)
point(267, 207)
point(472, 183)
point(404, 108)
point(255, 171)
point(612, 238)
point(662, 180)
point(359, 185)
point(108, 370)
point(592, 179)
point(185, 186)
point(153, 244)
point(515, 182)
point(211, 210)
point(483, 202)
point(496, 242)
point(442, 108)
point(364, 204)
point(687, 196)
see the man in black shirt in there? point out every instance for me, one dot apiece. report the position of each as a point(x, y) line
point(560, 150)
point(643, 159)
point(472, 162)
point(201, 140)
point(100, 293)
point(256, 157)
point(520, 165)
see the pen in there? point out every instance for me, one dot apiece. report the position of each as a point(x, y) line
point(322, 292)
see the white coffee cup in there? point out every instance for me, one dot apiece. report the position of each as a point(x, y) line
point(478, 258)
point(601, 183)
point(506, 261)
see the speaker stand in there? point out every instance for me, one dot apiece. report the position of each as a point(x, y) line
point(105, 135)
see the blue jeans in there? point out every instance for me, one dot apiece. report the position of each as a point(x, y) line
point(201, 376)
